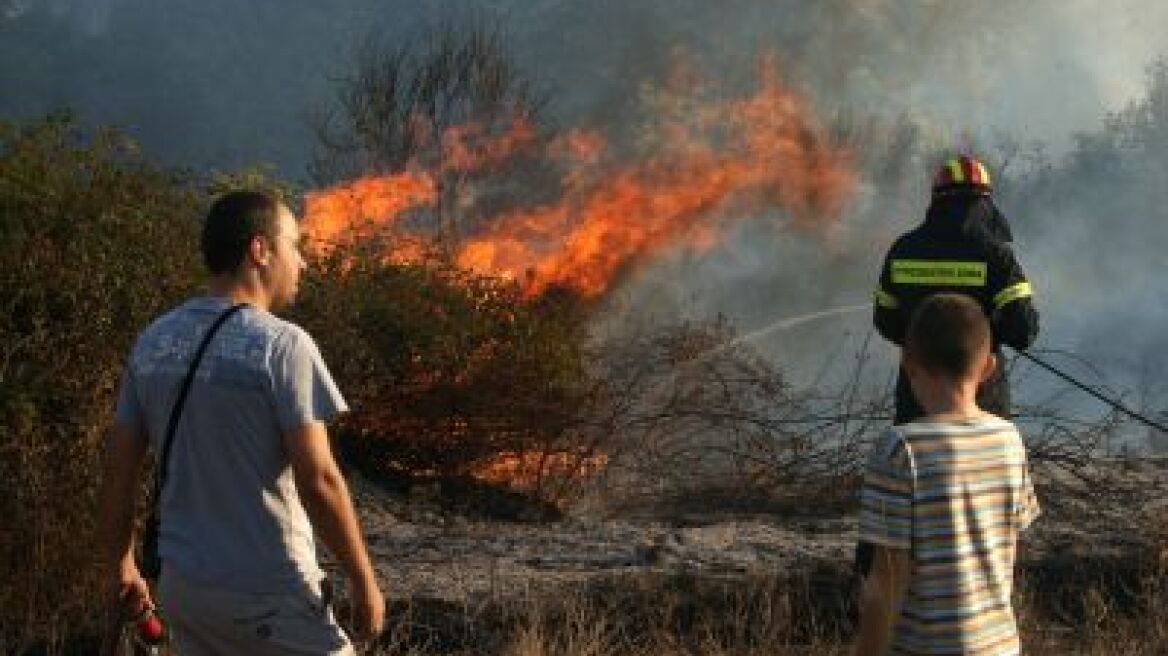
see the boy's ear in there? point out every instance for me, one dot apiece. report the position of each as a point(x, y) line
point(988, 367)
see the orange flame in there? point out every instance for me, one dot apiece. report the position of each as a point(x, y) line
point(580, 146)
point(715, 163)
point(470, 147)
point(525, 470)
point(370, 203)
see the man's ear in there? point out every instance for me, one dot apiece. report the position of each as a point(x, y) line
point(259, 250)
point(988, 367)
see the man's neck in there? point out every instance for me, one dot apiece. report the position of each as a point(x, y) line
point(240, 291)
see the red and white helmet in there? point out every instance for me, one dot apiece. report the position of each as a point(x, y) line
point(962, 173)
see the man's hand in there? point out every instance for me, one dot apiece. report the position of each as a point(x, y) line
point(368, 609)
point(129, 595)
point(128, 592)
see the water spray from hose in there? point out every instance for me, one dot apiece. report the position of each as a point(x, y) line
point(777, 326)
point(782, 325)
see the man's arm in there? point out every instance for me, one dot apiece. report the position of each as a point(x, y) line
point(881, 597)
point(326, 498)
point(119, 485)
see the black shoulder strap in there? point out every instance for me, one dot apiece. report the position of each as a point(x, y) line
point(176, 411)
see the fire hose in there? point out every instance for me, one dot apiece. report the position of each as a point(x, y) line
point(1114, 403)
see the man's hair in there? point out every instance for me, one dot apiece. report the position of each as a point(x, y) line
point(947, 334)
point(232, 222)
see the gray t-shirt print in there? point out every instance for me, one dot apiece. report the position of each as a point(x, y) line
point(231, 516)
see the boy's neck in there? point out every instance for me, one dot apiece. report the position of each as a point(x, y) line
point(950, 401)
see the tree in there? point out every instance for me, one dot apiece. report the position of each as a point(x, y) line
point(453, 103)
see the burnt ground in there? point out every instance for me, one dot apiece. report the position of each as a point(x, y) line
point(423, 547)
point(450, 567)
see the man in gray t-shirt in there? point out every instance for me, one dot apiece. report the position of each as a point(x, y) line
point(250, 474)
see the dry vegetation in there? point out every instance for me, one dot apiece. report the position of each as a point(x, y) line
point(1090, 600)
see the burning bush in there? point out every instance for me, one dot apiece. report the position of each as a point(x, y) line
point(453, 285)
point(443, 368)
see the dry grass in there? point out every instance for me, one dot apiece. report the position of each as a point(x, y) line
point(1068, 602)
point(1066, 605)
point(682, 613)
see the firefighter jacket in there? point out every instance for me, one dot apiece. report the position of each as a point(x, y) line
point(963, 246)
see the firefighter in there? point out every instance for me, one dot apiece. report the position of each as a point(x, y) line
point(962, 246)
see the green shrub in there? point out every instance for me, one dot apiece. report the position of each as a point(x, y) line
point(93, 242)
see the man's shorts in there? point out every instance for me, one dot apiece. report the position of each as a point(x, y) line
point(206, 621)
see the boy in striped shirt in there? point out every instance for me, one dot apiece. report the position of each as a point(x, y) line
point(944, 500)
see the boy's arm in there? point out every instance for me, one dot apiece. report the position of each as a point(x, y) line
point(1028, 508)
point(880, 599)
point(886, 525)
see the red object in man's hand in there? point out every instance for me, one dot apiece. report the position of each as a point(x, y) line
point(150, 628)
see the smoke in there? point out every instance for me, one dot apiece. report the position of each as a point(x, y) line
point(1096, 220)
point(1012, 80)
point(1032, 86)
point(222, 84)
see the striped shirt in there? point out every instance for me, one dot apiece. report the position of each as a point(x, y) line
point(956, 495)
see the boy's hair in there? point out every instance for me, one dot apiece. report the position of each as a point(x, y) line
point(232, 222)
point(947, 335)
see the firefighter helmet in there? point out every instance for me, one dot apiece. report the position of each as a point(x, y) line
point(962, 173)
